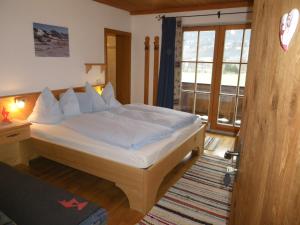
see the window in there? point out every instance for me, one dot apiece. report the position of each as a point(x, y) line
point(197, 71)
point(214, 68)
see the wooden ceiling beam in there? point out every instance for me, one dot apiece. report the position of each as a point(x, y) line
point(209, 6)
point(117, 4)
point(140, 9)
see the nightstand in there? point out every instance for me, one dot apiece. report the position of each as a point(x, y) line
point(14, 132)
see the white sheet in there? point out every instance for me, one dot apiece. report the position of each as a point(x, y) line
point(143, 158)
point(171, 120)
point(164, 111)
point(116, 129)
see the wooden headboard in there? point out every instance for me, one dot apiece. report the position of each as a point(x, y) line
point(30, 99)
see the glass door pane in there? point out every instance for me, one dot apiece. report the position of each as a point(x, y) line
point(233, 45)
point(205, 64)
point(188, 71)
point(202, 105)
point(206, 46)
point(197, 70)
point(226, 109)
point(189, 51)
point(233, 77)
point(213, 78)
point(187, 101)
point(204, 77)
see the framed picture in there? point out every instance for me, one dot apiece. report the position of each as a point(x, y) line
point(51, 41)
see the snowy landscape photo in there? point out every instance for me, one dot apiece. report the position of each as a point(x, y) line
point(51, 41)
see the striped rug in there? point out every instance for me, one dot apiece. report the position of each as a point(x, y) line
point(199, 197)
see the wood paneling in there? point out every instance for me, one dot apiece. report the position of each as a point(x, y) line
point(146, 75)
point(9, 153)
point(267, 190)
point(164, 6)
point(155, 69)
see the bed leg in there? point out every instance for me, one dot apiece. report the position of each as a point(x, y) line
point(196, 151)
point(141, 199)
point(199, 142)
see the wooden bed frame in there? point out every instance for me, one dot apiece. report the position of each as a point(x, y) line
point(140, 185)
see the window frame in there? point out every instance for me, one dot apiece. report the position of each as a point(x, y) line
point(213, 107)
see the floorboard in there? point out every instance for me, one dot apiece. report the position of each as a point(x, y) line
point(226, 143)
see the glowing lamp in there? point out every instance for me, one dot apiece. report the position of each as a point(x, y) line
point(20, 103)
point(99, 89)
point(12, 107)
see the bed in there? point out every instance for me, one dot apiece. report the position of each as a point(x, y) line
point(143, 158)
point(137, 173)
point(138, 176)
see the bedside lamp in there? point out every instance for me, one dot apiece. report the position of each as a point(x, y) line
point(20, 103)
point(99, 89)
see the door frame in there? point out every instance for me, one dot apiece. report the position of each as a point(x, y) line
point(217, 72)
point(207, 28)
point(217, 76)
point(107, 32)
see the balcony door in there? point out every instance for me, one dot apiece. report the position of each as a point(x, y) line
point(214, 67)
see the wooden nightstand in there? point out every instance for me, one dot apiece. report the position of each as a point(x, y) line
point(14, 132)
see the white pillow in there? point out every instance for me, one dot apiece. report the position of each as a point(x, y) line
point(85, 103)
point(109, 96)
point(69, 103)
point(98, 102)
point(46, 109)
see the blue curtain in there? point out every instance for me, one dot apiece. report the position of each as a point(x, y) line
point(165, 94)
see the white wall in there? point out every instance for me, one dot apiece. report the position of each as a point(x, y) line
point(21, 71)
point(143, 25)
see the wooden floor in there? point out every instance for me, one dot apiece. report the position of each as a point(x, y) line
point(103, 192)
point(226, 143)
point(100, 191)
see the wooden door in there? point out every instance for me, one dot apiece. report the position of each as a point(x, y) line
point(267, 189)
point(123, 69)
point(214, 67)
point(229, 77)
point(122, 63)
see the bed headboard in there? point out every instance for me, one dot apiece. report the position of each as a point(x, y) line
point(30, 99)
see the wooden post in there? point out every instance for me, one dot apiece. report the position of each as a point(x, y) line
point(146, 76)
point(155, 69)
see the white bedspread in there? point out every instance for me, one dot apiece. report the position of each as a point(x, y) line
point(116, 129)
point(156, 115)
point(143, 158)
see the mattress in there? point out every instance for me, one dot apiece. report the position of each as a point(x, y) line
point(142, 158)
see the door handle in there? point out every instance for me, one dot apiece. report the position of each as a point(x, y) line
point(229, 154)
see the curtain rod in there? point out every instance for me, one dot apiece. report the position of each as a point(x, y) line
point(219, 14)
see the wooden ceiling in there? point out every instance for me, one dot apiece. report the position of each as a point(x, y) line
point(164, 6)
